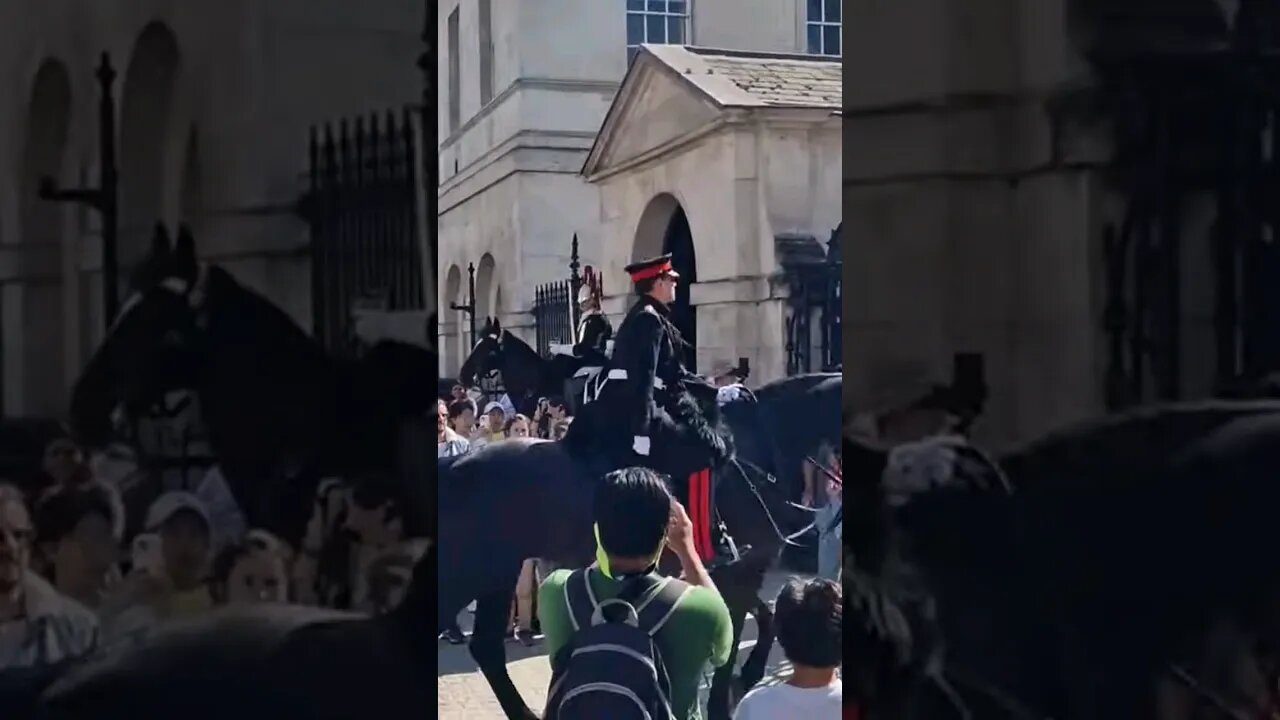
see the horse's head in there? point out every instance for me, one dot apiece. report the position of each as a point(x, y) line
point(896, 635)
point(486, 355)
point(150, 348)
point(940, 462)
point(880, 480)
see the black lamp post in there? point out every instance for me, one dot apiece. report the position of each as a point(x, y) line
point(106, 197)
point(470, 307)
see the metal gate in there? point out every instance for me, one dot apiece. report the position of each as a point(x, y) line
point(361, 206)
point(555, 308)
point(814, 307)
point(1195, 122)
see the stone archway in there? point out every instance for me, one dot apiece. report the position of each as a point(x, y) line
point(485, 279)
point(651, 231)
point(146, 138)
point(678, 241)
point(40, 385)
point(664, 228)
point(451, 329)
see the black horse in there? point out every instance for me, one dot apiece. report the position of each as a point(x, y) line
point(280, 412)
point(791, 418)
point(524, 374)
point(530, 498)
point(283, 661)
point(1074, 579)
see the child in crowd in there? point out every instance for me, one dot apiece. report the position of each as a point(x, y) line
point(253, 571)
point(809, 618)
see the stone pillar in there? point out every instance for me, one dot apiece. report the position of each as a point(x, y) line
point(742, 317)
point(965, 231)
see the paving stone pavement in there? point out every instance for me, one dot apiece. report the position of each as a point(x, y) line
point(464, 694)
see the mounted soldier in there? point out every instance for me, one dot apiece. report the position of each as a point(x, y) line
point(644, 408)
point(595, 332)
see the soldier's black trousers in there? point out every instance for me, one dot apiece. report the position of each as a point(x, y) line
point(689, 456)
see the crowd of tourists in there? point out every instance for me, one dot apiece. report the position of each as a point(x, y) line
point(80, 577)
point(636, 518)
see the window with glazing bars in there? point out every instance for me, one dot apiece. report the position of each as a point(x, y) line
point(822, 25)
point(658, 22)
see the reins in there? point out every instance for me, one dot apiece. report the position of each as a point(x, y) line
point(782, 535)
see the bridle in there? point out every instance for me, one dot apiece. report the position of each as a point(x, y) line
point(161, 410)
point(490, 364)
point(764, 505)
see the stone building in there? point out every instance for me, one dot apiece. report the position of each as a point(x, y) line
point(214, 100)
point(981, 188)
point(713, 156)
point(543, 138)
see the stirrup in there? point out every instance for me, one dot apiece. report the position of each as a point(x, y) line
point(734, 555)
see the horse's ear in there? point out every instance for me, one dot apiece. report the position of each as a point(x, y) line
point(497, 326)
point(185, 264)
point(159, 243)
point(487, 328)
point(150, 268)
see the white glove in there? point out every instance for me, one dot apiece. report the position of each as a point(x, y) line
point(640, 444)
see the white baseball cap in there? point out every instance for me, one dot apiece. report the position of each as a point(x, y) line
point(173, 502)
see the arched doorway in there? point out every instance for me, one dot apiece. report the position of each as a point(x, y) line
point(664, 228)
point(484, 290)
point(146, 138)
point(679, 242)
point(451, 328)
point(42, 376)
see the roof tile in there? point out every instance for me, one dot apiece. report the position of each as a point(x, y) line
point(771, 79)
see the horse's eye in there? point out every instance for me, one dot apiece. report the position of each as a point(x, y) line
point(173, 338)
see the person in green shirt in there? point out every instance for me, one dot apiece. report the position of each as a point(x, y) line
point(636, 517)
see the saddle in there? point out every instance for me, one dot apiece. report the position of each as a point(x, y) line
point(583, 386)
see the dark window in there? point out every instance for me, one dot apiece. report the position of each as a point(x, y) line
point(486, 53)
point(455, 75)
point(658, 22)
point(822, 26)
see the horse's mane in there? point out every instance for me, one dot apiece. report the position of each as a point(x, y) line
point(1099, 449)
point(510, 341)
point(1078, 468)
point(794, 384)
point(238, 314)
point(401, 374)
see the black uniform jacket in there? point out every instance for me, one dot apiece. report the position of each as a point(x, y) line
point(594, 334)
point(646, 349)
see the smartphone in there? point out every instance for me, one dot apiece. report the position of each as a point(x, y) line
point(146, 554)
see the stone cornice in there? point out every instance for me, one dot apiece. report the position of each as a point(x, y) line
point(502, 162)
point(528, 83)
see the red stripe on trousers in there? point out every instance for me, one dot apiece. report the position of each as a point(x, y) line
point(706, 514)
point(699, 511)
point(694, 499)
point(699, 499)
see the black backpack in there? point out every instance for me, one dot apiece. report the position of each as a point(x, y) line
point(611, 668)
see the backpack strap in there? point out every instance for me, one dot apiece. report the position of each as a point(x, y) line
point(580, 598)
point(654, 598)
point(660, 604)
